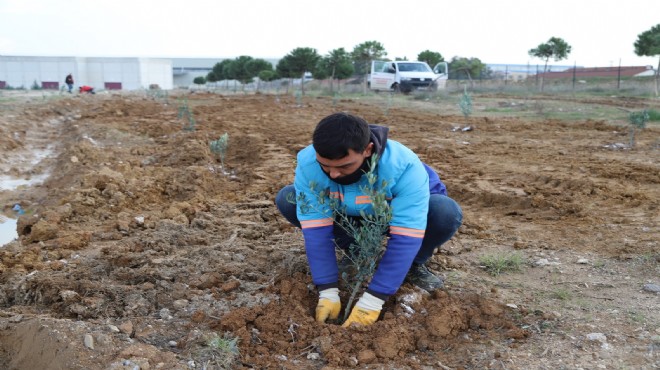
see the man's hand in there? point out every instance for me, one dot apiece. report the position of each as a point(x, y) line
point(329, 305)
point(366, 311)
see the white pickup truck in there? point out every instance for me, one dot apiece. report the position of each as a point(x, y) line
point(405, 76)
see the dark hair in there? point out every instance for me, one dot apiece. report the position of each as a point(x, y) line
point(339, 132)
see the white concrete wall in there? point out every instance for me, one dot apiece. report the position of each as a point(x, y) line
point(122, 70)
point(24, 71)
point(156, 72)
point(132, 73)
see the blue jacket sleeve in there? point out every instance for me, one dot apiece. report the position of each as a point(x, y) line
point(317, 227)
point(393, 267)
point(436, 186)
point(320, 251)
point(410, 205)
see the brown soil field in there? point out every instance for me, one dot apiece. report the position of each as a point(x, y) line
point(137, 249)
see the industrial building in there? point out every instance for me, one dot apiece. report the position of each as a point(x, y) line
point(98, 72)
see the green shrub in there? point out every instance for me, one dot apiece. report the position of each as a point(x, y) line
point(654, 115)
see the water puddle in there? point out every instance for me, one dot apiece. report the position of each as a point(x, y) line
point(10, 183)
point(7, 230)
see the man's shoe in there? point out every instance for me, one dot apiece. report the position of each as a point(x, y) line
point(420, 276)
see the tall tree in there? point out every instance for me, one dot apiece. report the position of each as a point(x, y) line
point(301, 60)
point(648, 44)
point(363, 54)
point(430, 57)
point(555, 48)
point(256, 66)
point(219, 71)
point(460, 67)
point(283, 70)
point(336, 64)
point(239, 70)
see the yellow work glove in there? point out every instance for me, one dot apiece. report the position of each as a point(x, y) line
point(366, 311)
point(329, 305)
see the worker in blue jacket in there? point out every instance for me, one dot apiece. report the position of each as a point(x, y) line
point(423, 216)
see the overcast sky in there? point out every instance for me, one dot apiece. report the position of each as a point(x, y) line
point(601, 33)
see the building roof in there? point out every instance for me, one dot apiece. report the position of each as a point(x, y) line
point(628, 71)
point(205, 63)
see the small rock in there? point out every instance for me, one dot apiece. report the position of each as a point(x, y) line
point(113, 329)
point(366, 356)
point(172, 343)
point(653, 288)
point(74, 159)
point(541, 262)
point(597, 337)
point(511, 305)
point(89, 341)
point(180, 303)
point(126, 328)
point(583, 261)
point(313, 356)
point(16, 318)
point(230, 285)
point(165, 314)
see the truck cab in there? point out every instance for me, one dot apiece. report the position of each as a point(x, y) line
point(405, 76)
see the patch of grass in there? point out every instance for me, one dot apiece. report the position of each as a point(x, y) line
point(650, 258)
point(654, 115)
point(452, 276)
point(583, 304)
point(220, 351)
point(636, 317)
point(497, 264)
point(599, 264)
point(561, 294)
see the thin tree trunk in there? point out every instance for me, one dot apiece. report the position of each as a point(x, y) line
point(467, 71)
point(657, 77)
point(332, 80)
point(545, 70)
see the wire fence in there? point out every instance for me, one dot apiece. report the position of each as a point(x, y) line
point(635, 86)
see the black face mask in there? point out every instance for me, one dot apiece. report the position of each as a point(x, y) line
point(351, 178)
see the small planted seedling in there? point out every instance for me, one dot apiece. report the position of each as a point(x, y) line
point(465, 104)
point(637, 122)
point(186, 114)
point(388, 105)
point(219, 149)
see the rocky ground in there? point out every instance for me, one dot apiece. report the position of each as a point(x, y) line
point(137, 249)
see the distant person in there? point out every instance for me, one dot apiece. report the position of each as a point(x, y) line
point(84, 89)
point(69, 82)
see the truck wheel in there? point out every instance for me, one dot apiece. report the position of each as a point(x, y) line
point(396, 88)
point(405, 88)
